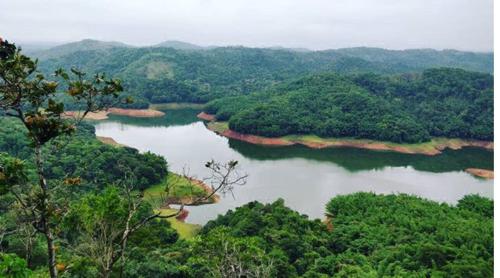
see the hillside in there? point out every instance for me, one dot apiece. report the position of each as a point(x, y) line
point(424, 58)
point(367, 235)
point(71, 48)
point(179, 45)
point(442, 102)
point(165, 74)
point(76, 205)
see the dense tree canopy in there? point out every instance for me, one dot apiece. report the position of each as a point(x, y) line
point(83, 156)
point(164, 74)
point(370, 236)
point(87, 218)
point(404, 108)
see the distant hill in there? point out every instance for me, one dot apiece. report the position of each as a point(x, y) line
point(180, 45)
point(83, 45)
point(169, 72)
point(297, 49)
point(423, 58)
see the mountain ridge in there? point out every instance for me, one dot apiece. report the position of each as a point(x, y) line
point(92, 44)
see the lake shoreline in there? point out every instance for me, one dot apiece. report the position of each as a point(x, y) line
point(186, 142)
point(109, 141)
point(103, 115)
point(176, 105)
point(214, 199)
point(156, 191)
point(434, 147)
point(481, 173)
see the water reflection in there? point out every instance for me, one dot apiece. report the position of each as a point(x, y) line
point(358, 159)
point(305, 178)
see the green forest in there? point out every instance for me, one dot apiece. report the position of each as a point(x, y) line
point(72, 206)
point(407, 108)
point(83, 156)
point(355, 92)
point(177, 74)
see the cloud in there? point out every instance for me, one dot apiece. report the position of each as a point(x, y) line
point(316, 24)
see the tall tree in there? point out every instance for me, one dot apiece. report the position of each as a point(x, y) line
point(33, 99)
point(104, 222)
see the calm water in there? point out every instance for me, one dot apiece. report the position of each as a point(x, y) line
point(305, 178)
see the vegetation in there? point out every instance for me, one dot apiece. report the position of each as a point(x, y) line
point(184, 229)
point(432, 147)
point(178, 187)
point(83, 156)
point(176, 106)
point(13, 266)
point(43, 211)
point(33, 100)
point(368, 236)
point(71, 206)
point(189, 74)
point(442, 102)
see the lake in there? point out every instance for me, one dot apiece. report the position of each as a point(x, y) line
point(305, 178)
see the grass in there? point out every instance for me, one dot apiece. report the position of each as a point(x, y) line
point(434, 144)
point(424, 147)
point(180, 187)
point(218, 127)
point(185, 230)
point(316, 139)
point(176, 105)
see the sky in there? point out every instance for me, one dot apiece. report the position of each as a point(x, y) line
point(313, 24)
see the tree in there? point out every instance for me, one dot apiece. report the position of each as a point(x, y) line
point(106, 221)
point(13, 266)
point(229, 256)
point(28, 96)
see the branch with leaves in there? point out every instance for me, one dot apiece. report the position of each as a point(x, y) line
point(107, 220)
point(28, 96)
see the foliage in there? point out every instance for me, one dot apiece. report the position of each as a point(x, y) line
point(94, 227)
point(177, 186)
point(13, 266)
point(160, 74)
point(291, 240)
point(406, 108)
point(405, 235)
point(106, 229)
point(223, 255)
point(30, 97)
point(372, 236)
point(83, 156)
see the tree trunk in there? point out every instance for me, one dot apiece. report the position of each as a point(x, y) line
point(106, 272)
point(44, 213)
point(29, 250)
point(52, 254)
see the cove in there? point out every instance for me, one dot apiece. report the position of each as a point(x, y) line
point(305, 178)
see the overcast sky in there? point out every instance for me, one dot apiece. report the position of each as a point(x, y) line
point(314, 24)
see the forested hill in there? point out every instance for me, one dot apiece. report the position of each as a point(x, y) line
point(424, 58)
point(70, 48)
point(166, 74)
point(405, 108)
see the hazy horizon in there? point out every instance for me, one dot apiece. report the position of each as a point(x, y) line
point(48, 44)
point(315, 25)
